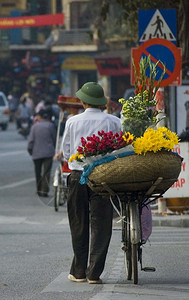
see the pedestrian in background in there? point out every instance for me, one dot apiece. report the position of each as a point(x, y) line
point(13, 105)
point(23, 112)
point(89, 214)
point(29, 101)
point(41, 146)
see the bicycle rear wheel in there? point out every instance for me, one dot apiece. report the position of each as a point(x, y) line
point(126, 241)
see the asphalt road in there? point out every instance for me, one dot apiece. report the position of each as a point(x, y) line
point(36, 253)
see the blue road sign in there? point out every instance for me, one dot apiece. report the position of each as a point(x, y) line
point(157, 23)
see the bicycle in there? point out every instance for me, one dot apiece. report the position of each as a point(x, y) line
point(131, 204)
point(66, 104)
point(60, 185)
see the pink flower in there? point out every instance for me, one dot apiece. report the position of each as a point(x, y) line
point(100, 133)
point(80, 150)
point(103, 143)
point(83, 141)
point(97, 139)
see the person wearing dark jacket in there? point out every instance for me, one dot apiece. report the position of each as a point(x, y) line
point(41, 146)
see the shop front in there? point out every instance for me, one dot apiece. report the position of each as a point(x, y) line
point(118, 74)
point(75, 71)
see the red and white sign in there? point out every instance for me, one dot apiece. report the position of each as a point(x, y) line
point(31, 21)
point(165, 52)
point(181, 187)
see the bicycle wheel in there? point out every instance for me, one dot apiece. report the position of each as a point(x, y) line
point(128, 263)
point(126, 241)
point(135, 263)
point(64, 196)
point(135, 238)
point(56, 197)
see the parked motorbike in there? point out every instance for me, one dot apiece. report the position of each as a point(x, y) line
point(24, 127)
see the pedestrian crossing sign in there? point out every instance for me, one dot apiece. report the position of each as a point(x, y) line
point(157, 23)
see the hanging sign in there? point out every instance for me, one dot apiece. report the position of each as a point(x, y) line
point(112, 67)
point(31, 21)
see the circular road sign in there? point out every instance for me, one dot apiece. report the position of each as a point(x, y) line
point(163, 51)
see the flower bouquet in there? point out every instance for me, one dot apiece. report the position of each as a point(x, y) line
point(155, 140)
point(146, 150)
point(139, 112)
point(152, 159)
point(102, 146)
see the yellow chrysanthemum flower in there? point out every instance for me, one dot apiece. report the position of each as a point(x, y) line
point(76, 156)
point(127, 136)
point(156, 140)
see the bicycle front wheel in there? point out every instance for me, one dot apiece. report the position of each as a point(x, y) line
point(135, 238)
point(128, 263)
point(135, 263)
point(126, 241)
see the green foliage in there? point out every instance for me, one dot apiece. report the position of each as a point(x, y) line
point(129, 11)
point(139, 112)
point(143, 82)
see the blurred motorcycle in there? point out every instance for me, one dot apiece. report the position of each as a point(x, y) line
point(24, 127)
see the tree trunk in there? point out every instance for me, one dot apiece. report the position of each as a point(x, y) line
point(183, 29)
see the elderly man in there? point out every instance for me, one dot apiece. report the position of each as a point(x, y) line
point(41, 146)
point(90, 216)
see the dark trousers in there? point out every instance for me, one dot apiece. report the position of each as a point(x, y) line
point(43, 168)
point(89, 214)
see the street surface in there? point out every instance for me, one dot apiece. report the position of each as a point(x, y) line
point(36, 253)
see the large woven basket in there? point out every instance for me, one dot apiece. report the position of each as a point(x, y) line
point(137, 172)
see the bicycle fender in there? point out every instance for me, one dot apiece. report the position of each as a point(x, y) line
point(134, 223)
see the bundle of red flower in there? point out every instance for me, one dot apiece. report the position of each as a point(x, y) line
point(103, 143)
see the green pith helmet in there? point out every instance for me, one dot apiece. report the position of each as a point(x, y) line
point(92, 93)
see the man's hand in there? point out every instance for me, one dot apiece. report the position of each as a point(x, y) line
point(58, 156)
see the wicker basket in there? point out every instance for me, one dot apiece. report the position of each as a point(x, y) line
point(137, 172)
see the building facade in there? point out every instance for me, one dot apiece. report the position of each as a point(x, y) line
point(58, 59)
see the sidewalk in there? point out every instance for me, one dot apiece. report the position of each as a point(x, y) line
point(173, 220)
point(169, 219)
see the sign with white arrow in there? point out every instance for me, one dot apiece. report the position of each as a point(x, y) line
point(157, 23)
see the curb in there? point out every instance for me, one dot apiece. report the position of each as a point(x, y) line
point(173, 221)
point(163, 221)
